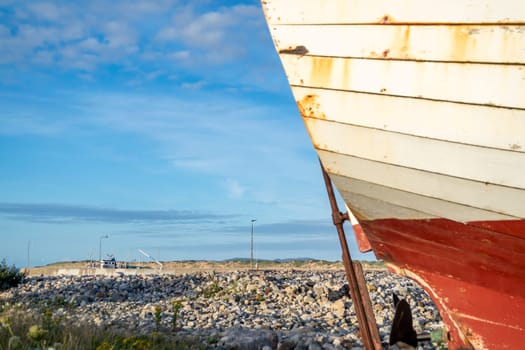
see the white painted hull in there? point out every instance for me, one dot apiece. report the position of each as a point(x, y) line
point(417, 119)
point(417, 112)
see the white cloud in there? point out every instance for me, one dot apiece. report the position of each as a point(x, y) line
point(44, 57)
point(36, 36)
point(193, 85)
point(47, 11)
point(86, 76)
point(194, 39)
point(153, 75)
point(117, 24)
point(91, 44)
point(119, 34)
point(202, 133)
point(195, 164)
point(31, 124)
point(69, 29)
point(198, 132)
point(181, 55)
point(220, 35)
point(234, 189)
point(168, 34)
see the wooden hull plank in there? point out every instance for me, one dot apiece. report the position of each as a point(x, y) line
point(486, 126)
point(473, 194)
point(388, 12)
point(460, 43)
point(457, 82)
point(486, 165)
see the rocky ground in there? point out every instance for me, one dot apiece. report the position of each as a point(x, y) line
point(262, 310)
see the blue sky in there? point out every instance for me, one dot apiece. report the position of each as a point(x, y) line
point(167, 125)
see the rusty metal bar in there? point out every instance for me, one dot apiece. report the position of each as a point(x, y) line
point(367, 304)
point(362, 304)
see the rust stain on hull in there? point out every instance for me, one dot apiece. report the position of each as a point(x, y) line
point(321, 72)
point(310, 108)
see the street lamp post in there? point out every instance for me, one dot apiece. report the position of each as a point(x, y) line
point(100, 247)
point(251, 246)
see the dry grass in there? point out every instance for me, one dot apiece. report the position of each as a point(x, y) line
point(181, 267)
point(20, 329)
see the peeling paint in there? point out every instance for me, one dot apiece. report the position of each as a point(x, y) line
point(298, 50)
point(310, 108)
point(386, 19)
point(455, 336)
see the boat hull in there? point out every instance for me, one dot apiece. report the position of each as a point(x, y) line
point(474, 274)
point(418, 117)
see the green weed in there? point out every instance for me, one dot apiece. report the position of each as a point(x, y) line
point(10, 276)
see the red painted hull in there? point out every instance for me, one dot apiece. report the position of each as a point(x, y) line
point(475, 273)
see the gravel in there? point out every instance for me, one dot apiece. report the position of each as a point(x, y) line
point(238, 310)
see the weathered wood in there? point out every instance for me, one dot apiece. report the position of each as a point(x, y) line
point(458, 82)
point(387, 11)
point(479, 125)
point(460, 43)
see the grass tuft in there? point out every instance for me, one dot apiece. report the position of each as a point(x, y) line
point(30, 329)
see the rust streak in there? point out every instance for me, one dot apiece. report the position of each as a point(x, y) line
point(321, 72)
point(461, 41)
point(406, 40)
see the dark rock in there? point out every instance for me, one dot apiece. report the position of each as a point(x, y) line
point(287, 344)
point(249, 339)
point(336, 295)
